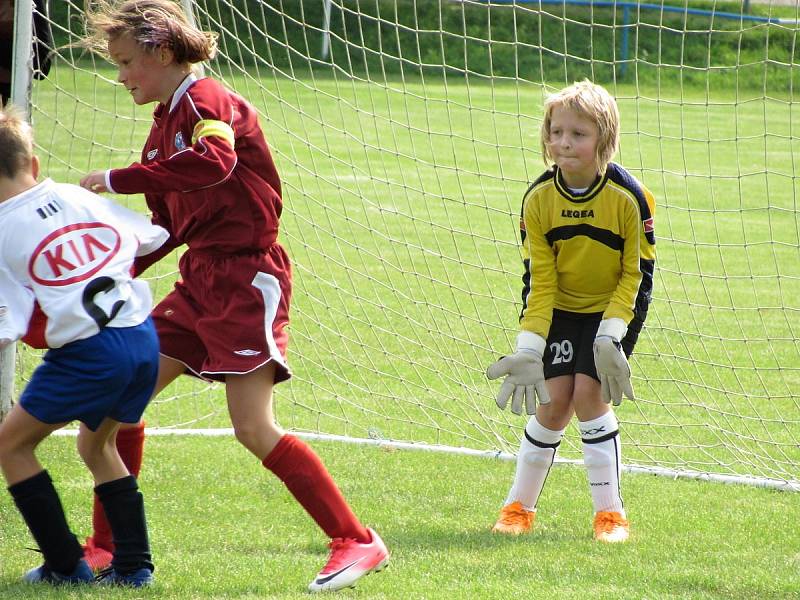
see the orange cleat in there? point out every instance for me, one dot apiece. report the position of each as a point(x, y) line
point(514, 519)
point(610, 527)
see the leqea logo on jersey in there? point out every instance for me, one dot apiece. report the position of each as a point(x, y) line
point(73, 253)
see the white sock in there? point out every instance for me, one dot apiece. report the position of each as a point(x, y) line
point(537, 450)
point(602, 457)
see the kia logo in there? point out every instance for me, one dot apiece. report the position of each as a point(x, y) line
point(73, 253)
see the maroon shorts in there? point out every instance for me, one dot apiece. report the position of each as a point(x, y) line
point(228, 314)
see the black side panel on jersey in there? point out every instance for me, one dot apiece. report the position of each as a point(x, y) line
point(549, 174)
point(526, 285)
point(647, 267)
point(621, 177)
point(526, 275)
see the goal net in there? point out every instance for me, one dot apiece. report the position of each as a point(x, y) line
point(406, 133)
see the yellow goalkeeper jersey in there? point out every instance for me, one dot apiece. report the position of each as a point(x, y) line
point(589, 252)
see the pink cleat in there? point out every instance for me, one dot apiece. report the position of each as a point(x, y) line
point(348, 562)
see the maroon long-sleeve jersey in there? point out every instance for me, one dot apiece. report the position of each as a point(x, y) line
point(207, 172)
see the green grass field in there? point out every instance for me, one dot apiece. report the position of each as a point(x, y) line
point(223, 527)
point(401, 211)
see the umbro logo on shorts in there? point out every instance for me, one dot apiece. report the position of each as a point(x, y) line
point(247, 352)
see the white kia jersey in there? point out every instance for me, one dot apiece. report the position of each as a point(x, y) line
point(71, 251)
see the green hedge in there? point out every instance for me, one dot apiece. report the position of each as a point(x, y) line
point(379, 38)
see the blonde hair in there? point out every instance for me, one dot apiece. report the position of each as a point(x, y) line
point(593, 102)
point(152, 24)
point(16, 142)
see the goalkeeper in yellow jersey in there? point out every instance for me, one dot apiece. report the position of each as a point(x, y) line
point(588, 250)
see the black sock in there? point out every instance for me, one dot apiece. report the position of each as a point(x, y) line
point(124, 507)
point(38, 501)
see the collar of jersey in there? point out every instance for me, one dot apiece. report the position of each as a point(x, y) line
point(176, 97)
point(160, 109)
point(590, 193)
point(30, 195)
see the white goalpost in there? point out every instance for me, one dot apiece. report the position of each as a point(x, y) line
point(21, 76)
point(406, 133)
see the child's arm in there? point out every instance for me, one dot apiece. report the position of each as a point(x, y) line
point(623, 318)
point(638, 261)
point(208, 162)
point(524, 370)
point(208, 158)
point(16, 307)
point(210, 131)
point(540, 280)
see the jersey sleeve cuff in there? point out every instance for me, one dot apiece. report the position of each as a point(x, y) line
point(614, 328)
point(108, 182)
point(529, 341)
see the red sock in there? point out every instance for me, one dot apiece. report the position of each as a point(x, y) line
point(130, 444)
point(303, 473)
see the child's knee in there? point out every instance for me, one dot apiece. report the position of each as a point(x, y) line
point(90, 448)
point(13, 449)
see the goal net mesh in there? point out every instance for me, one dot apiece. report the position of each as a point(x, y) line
point(406, 133)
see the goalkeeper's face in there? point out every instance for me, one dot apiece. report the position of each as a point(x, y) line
point(572, 144)
point(147, 75)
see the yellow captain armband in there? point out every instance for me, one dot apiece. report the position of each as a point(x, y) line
point(209, 127)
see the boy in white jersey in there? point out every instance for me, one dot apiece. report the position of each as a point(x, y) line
point(588, 249)
point(66, 254)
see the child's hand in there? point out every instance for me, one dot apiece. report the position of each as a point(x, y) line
point(524, 375)
point(95, 182)
point(612, 366)
point(613, 370)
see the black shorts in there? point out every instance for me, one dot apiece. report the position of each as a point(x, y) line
point(570, 344)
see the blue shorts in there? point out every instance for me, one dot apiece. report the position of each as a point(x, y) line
point(111, 374)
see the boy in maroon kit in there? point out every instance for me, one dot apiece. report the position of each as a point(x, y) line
point(209, 179)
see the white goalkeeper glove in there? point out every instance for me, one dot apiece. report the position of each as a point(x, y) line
point(524, 373)
point(611, 364)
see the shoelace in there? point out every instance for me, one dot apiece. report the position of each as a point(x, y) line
point(512, 516)
point(336, 558)
point(607, 522)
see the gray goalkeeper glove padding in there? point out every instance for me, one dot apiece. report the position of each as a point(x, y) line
point(612, 366)
point(524, 375)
